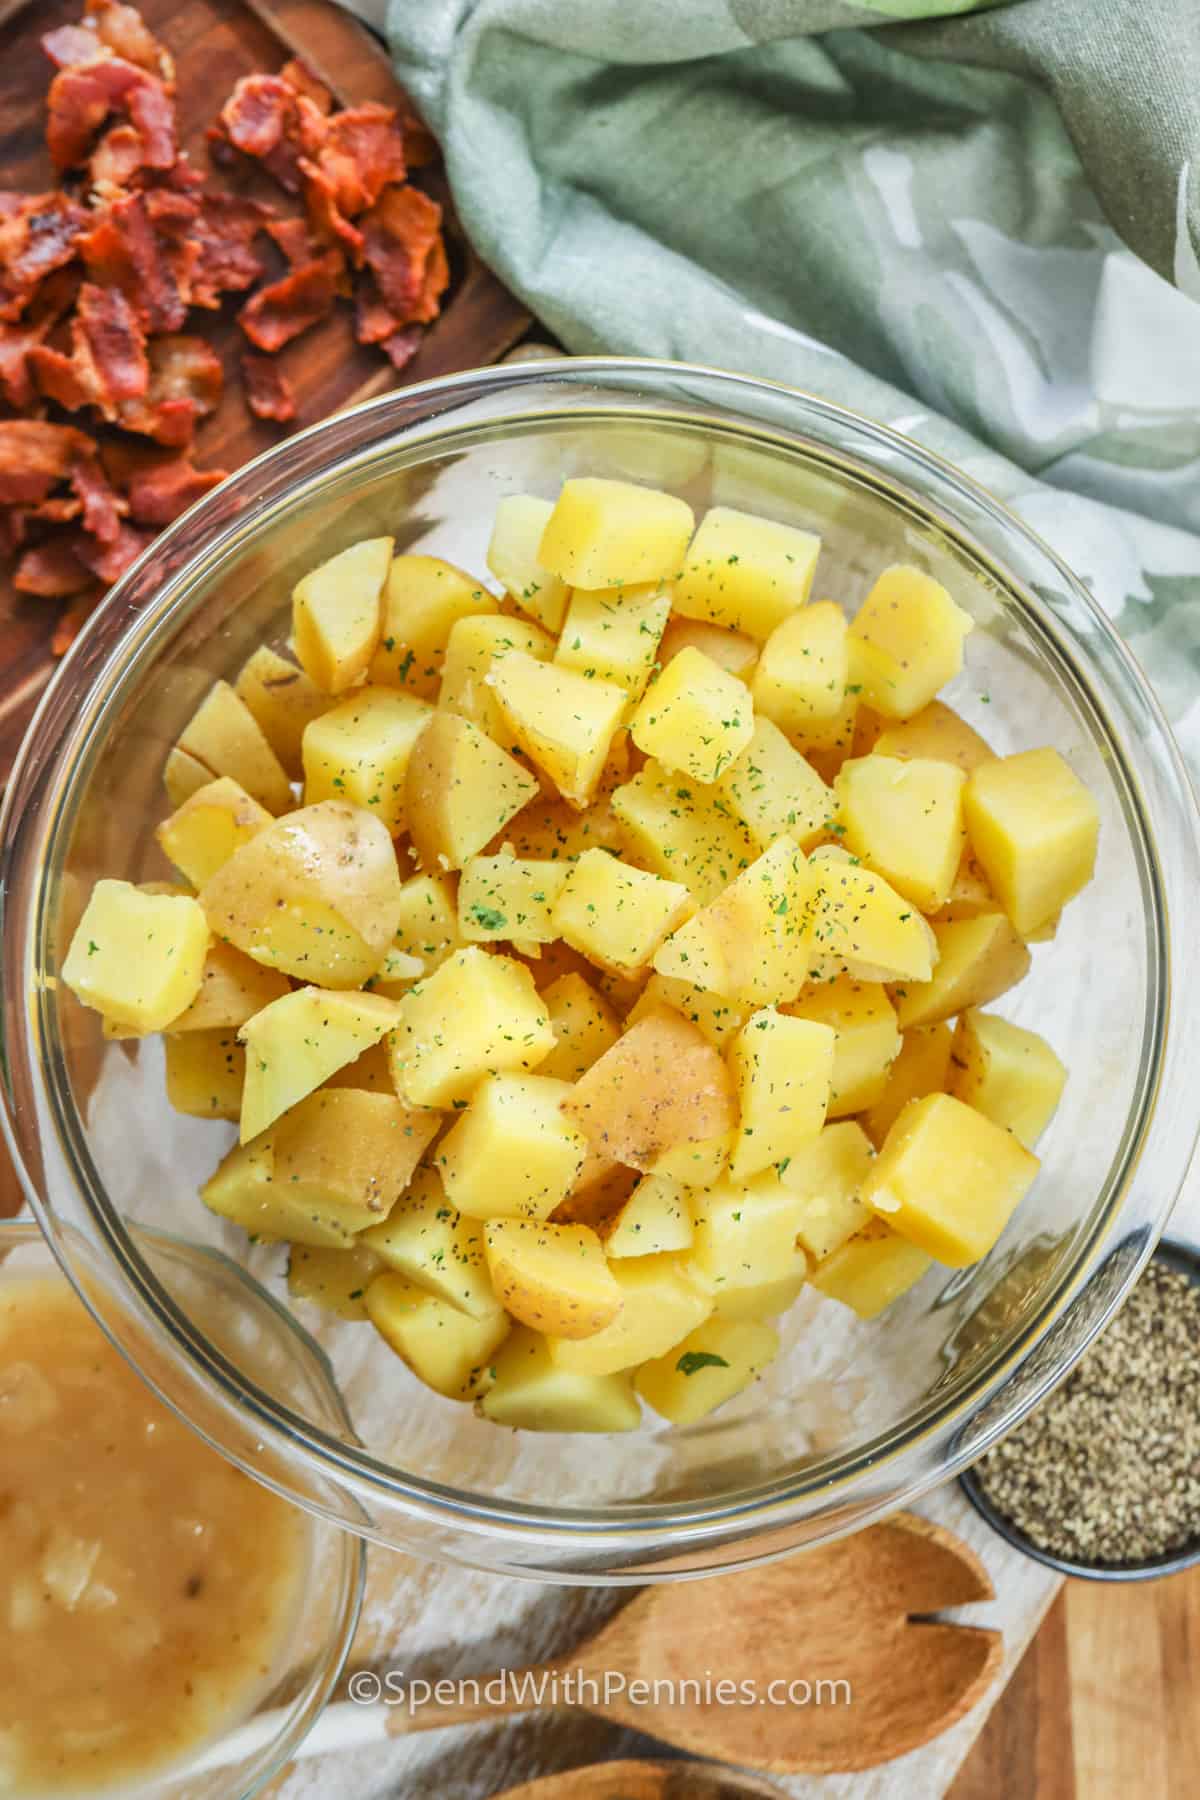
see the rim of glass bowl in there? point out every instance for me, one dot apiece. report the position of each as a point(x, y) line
point(587, 1543)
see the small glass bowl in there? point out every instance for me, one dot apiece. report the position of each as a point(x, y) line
point(254, 1746)
point(854, 1418)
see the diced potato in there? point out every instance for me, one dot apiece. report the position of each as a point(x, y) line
point(771, 789)
point(712, 1364)
point(460, 789)
point(474, 648)
point(978, 960)
point(553, 1278)
point(922, 1067)
point(224, 735)
point(450, 1351)
point(513, 557)
point(937, 733)
point(283, 699)
point(906, 641)
point(867, 1040)
point(359, 751)
point(245, 1190)
point(863, 926)
point(337, 614)
point(513, 1153)
point(293, 1044)
point(828, 742)
point(718, 1019)
point(660, 1305)
point(509, 897)
point(584, 1026)
point(353, 1148)
point(437, 1248)
point(613, 533)
point(427, 925)
point(371, 1071)
point(905, 819)
point(801, 675)
point(682, 831)
point(183, 775)
point(948, 1180)
point(696, 717)
point(746, 573)
point(531, 1393)
point(204, 832)
point(662, 1087)
point(765, 1301)
point(478, 1014)
point(827, 1174)
point(733, 650)
point(969, 893)
point(232, 989)
point(753, 944)
point(137, 958)
point(745, 1233)
point(698, 1164)
point(1007, 1073)
point(395, 974)
point(782, 1067)
point(1034, 828)
point(563, 721)
point(613, 634)
point(335, 1280)
point(871, 1269)
point(316, 894)
point(655, 1218)
point(549, 830)
point(615, 915)
point(423, 599)
point(205, 1072)
point(601, 1189)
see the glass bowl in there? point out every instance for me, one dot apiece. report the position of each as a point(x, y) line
point(854, 1419)
point(258, 1741)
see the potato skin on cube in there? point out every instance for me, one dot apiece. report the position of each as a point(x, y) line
point(937, 733)
point(1007, 1073)
point(460, 790)
point(353, 1147)
point(137, 958)
point(337, 614)
point(1034, 828)
point(906, 641)
point(553, 1278)
point(245, 1190)
point(719, 1359)
point(513, 1153)
point(282, 699)
point(447, 1349)
point(782, 1067)
point(871, 1270)
point(613, 533)
point(478, 1014)
point(719, 1019)
point(662, 1087)
point(746, 573)
point(660, 1304)
point(696, 717)
point(532, 1393)
point(201, 835)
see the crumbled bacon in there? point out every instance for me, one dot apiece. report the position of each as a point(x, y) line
point(294, 239)
point(268, 391)
point(42, 235)
point(276, 314)
point(403, 345)
point(57, 377)
point(108, 562)
point(126, 34)
point(298, 75)
point(399, 234)
point(16, 342)
point(34, 456)
point(160, 490)
point(224, 230)
point(101, 505)
point(329, 224)
point(67, 45)
point(52, 571)
point(117, 157)
point(362, 153)
point(82, 95)
point(110, 348)
point(255, 116)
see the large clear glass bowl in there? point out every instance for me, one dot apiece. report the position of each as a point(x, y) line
point(854, 1419)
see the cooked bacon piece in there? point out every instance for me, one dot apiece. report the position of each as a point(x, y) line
point(399, 234)
point(102, 505)
point(437, 280)
point(362, 153)
point(68, 45)
point(276, 314)
point(58, 377)
point(224, 230)
point(117, 158)
point(256, 114)
point(329, 223)
point(420, 145)
point(52, 571)
point(186, 380)
point(152, 112)
point(83, 94)
point(161, 489)
point(42, 235)
point(125, 250)
point(16, 342)
point(110, 348)
point(294, 239)
point(374, 319)
point(126, 34)
point(403, 345)
point(56, 510)
point(268, 391)
point(34, 456)
point(108, 562)
point(298, 75)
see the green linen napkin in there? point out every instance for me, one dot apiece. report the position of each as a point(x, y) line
point(979, 224)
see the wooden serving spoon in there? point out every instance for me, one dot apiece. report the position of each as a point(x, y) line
point(645, 1781)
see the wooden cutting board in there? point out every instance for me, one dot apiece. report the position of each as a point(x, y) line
point(214, 43)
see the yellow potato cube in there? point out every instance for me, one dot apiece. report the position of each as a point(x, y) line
point(615, 915)
point(183, 775)
point(449, 1350)
point(1007, 1073)
point(204, 832)
point(771, 789)
point(612, 634)
point(866, 1042)
point(423, 599)
point(563, 721)
point(765, 1301)
point(937, 734)
point(549, 830)
point(826, 743)
point(232, 989)
point(746, 573)
point(395, 974)
point(474, 648)
point(698, 1164)
point(696, 717)
point(745, 1234)
point(801, 675)
point(978, 960)
point(655, 1218)
point(682, 831)
point(969, 893)
point(905, 820)
point(352, 1147)
point(509, 897)
point(282, 699)
point(359, 751)
point(531, 1393)
point(614, 533)
point(435, 1247)
point(514, 559)
point(863, 926)
point(225, 737)
point(827, 1174)
point(1034, 828)
point(782, 1067)
point(205, 1073)
point(337, 614)
point(712, 1364)
point(427, 925)
point(370, 1071)
point(754, 944)
point(553, 1278)
point(296, 1042)
point(460, 789)
point(584, 1027)
point(513, 1153)
point(922, 1067)
point(733, 650)
point(335, 1280)
point(478, 1014)
point(137, 958)
point(871, 1269)
point(906, 641)
point(660, 1304)
point(662, 1087)
point(245, 1190)
point(716, 1017)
